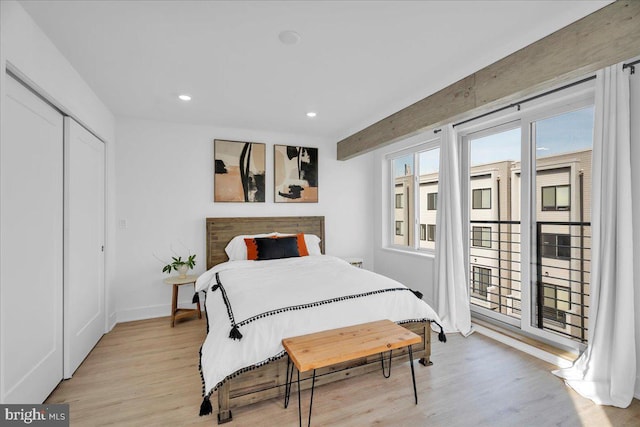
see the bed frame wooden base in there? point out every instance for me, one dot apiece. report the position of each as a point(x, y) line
point(268, 381)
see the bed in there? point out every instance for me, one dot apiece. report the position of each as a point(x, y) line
point(250, 307)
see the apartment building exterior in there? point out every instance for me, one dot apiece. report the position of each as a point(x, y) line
point(562, 236)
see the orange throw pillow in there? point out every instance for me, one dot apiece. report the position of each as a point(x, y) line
point(252, 248)
point(302, 246)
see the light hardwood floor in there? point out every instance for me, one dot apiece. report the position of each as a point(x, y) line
point(146, 374)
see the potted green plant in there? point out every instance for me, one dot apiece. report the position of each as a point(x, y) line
point(180, 265)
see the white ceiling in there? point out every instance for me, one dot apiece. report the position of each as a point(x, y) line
point(357, 61)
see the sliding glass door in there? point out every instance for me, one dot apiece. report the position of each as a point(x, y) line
point(494, 221)
point(527, 181)
point(563, 145)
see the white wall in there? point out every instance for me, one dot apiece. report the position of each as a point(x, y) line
point(27, 52)
point(635, 177)
point(165, 192)
point(415, 270)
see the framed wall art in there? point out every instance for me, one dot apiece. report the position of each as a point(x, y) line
point(239, 171)
point(295, 174)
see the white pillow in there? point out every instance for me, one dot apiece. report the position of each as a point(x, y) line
point(313, 244)
point(237, 249)
point(310, 240)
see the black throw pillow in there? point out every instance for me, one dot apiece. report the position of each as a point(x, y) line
point(281, 247)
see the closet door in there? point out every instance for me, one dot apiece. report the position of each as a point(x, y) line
point(84, 319)
point(31, 248)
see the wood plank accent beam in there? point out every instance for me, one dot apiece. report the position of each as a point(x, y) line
point(605, 37)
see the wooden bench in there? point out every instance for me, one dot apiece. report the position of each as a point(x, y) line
point(322, 349)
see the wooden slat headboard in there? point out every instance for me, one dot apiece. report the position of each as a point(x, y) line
point(220, 231)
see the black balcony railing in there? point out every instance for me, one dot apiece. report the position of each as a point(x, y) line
point(562, 253)
point(563, 259)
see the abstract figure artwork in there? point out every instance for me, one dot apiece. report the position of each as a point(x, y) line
point(239, 171)
point(296, 174)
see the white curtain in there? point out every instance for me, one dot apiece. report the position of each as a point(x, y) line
point(606, 371)
point(452, 292)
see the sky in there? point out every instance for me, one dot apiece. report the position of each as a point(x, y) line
point(567, 132)
point(429, 161)
point(564, 133)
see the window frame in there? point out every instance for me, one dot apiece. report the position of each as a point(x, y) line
point(423, 232)
point(398, 203)
point(473, 197)
point(555, 206)
point(556, 245)
point(432, 201)
point(413, 146)
point(482, 230)
point(564, 101)
point(399, 227)
point(431, 232)
point(477, 291)
point(557, 318)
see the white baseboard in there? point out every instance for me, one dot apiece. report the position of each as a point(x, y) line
point(526, 348)
point(150, 311)
point(111, 321)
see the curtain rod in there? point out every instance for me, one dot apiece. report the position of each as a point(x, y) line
point(631, 65)
point(517, 104)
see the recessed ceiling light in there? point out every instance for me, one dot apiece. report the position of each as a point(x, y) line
point(289, 37)
point(311, 114)
point(185, 97)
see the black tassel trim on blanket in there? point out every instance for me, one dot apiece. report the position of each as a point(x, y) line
point(316, 304)
point(418, 294)
point(235, 333)
point(205, 407)
point(442, 337)
point(196, 298)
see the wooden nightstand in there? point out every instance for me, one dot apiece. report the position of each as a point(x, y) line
point(179, 313)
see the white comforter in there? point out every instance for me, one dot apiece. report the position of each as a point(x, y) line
point(272, 300)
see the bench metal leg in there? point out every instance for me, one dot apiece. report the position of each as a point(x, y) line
point(299, 406)
point(313, 383)
point(413, 375)
point(287, 387)
point(388, 374)
point(313, 386)
point(289, 380)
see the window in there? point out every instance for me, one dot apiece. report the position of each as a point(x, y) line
point(481, 237)
point(399, 201)
point(414, 184)
point(556, 198)
point(431, 232)
point(532, 168)
point(482, 198)
point(399, 226)
point(432, 201)
point(556, 246)
point(480, 281)
point(556, 303)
